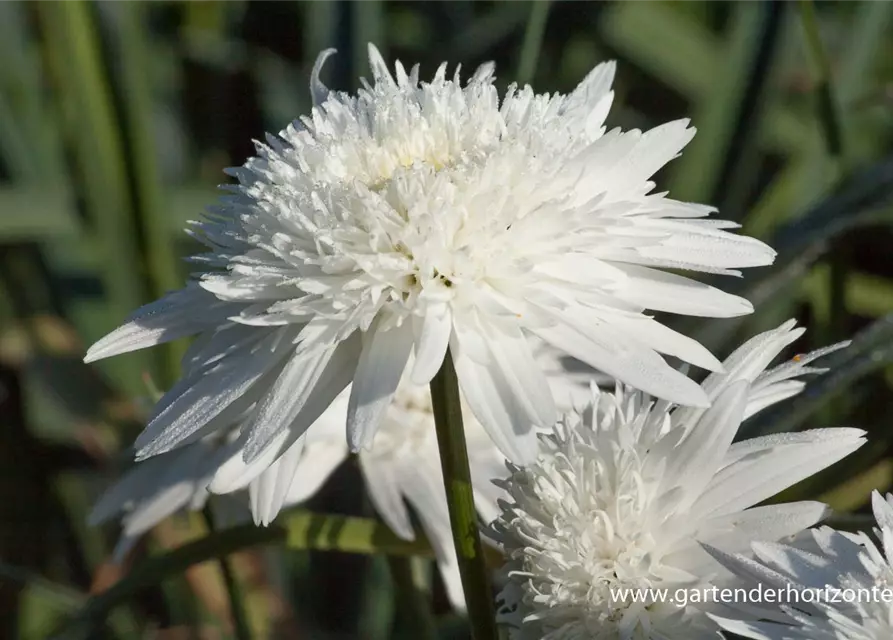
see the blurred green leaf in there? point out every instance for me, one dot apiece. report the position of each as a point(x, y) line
point(74, 55)
point(666, 42)
point(696, 174)
point(45, 214)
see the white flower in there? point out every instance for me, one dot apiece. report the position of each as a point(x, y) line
point(416, 217)
point(403, 465)
point(849, 577)
point(623, 493)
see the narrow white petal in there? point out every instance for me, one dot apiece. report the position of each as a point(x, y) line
point(588, 105)
point(431, 340)
point(380, 70)
point(512, 355)
point(319, 461)
point(379, 370)
point(664, 340)
point(658, 146)
point(177, 315)
point(197, 404)
point(140, 481)
point(425, 493)
point(307, 386)
point(662, 291)
point(772, 394)
point(759, 475)
point(603, 348)
point(769, 522)
point(883, 511)
point(759, 630)
point(493, 400)
point(809, 569)
point(701, 453)
point(268, 492)
point(236, 473)
point(384, 487)
point(318, 91)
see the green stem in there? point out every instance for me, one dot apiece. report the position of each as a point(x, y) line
point(236, 606)
point(533, 41)
point(413, 600)
point(460, 499)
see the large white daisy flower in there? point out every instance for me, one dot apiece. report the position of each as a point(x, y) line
point(420, 216)
point(848, 578)
point(623, 493)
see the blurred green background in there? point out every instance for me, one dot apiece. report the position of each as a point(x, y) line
point(117, 118)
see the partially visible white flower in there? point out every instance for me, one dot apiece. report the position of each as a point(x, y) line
point(420, 216)
point(623, 493)
point(403, 464)
point(178, 481)
point(157, 488)
point(849, 578)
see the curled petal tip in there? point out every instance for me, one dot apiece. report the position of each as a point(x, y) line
point(319, 91)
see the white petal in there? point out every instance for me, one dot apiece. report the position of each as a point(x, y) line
point(319, 461)
point(431, 340)
point(883, 510)
point(426, 494)
point(268, 492)
point(809, 569)
point(306, 388)
point(707, 254)
point(758, 630)
point(379, 370)
point(765, 471)
point(769, 522)
point(493, 400)
point(380, 70)
point(236, 473)
point(664, 340)
point(318, 91)
point(662, 291)
point(176, 315)
point(698, 457)
point(205, 398)
point(384, 487)
point(658, 146)
point(772, 394)
point(587, 106)
point(140, 481)
point(607, 350)
point(511, 354)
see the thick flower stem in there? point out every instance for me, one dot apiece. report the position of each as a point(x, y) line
point(460, 498)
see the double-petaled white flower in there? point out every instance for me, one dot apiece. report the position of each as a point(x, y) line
point(624, 493)
point(836, 585)
point(415, 217)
